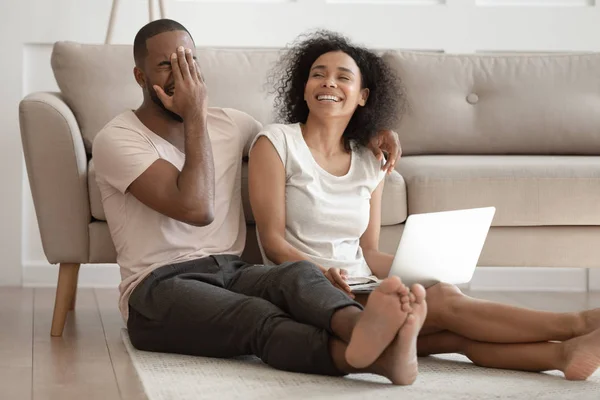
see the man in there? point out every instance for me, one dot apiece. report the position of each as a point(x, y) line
point(169, 174)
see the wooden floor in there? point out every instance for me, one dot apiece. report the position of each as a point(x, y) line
point(90, 361)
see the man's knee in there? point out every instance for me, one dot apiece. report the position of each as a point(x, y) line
point(299, 269)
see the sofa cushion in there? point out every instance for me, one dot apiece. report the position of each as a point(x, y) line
point(499, 104)
point(526, 246)
point(393, 208)
point(102, 248)
point(526, 190)
point(97, 81)
point(95, 197)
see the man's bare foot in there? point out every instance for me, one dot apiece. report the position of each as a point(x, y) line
point(379, 323)
point(582, 356)
point(399, 361)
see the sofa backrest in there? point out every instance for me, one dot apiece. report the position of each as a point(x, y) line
point(97, 81)
point(458, 104)
point(499, 104)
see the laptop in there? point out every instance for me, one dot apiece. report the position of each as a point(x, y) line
point(436, 247)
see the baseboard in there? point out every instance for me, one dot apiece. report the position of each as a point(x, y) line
point(594, 279)
point(530, 279)
point(42, 274)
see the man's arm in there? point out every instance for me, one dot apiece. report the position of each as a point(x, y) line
point(186, 196)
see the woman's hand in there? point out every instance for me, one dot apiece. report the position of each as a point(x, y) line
point(337, 277)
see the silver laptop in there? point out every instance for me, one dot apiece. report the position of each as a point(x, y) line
point(437, 247)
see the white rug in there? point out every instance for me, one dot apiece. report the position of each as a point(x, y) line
point(177, 377)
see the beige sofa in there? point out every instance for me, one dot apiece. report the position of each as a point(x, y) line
point(519, 132)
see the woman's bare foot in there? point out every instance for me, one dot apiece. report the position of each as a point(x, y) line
point(582, 356)
point(379, 323)
point(399, 361)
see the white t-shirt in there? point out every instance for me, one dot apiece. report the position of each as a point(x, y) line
point(146, 239)
point(325, 215)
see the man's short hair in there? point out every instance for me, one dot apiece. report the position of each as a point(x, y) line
point(140, 51)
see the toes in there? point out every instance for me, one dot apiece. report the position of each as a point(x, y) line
point(410, 320)
point(390, 285)
point(403, 290)
point(406, 307)
point(405, 299)
point(419, 292)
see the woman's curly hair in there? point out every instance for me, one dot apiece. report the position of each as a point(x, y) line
point(288, 78)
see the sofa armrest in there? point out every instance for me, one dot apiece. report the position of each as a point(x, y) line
point(56, 164)
point(394, 205)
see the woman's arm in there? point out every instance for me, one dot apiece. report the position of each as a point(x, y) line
point(266, 180)
point(380, 263)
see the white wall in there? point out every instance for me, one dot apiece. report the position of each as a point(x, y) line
point(31, 26)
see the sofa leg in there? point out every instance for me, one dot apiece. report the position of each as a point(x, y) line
point(74, 301)
point(65, 296)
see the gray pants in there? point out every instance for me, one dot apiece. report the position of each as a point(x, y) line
point(220, 306)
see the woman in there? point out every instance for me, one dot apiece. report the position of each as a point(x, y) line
point(333, 96)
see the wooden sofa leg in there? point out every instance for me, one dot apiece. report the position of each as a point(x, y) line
point(65, 296)
point(75, 288)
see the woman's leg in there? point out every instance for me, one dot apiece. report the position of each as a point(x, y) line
point(577, 358)
point(486, 321)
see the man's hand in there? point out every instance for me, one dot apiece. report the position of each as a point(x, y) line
point(337, 277)
point(386, 141)
point(190, 96)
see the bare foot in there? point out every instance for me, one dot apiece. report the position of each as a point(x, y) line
point(399, 361)
point(378, 324)
point(582, 356)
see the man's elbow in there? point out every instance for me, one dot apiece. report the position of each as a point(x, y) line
point(204, 220)
point(199, 217)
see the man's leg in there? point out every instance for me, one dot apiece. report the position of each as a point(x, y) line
point(488, 321)
point(577, 358)
point(175, 310)
point(301, 290)
point(183, 314)
point(298, 288)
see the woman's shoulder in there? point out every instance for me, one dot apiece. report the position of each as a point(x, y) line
point(281, 129)
point(369, 162)
point(276, 133)
point(282, 135)
point(367, 157)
